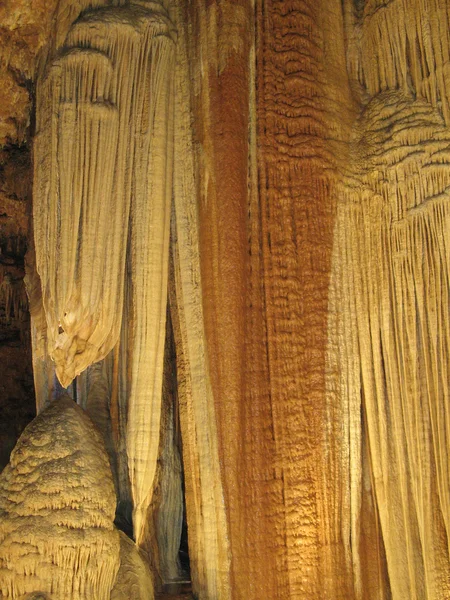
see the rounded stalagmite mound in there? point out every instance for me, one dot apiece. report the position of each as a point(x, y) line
point(57, 505)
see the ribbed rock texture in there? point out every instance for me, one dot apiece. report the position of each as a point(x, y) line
point(103, 94)
point(57, 508)
point(274, 176)
point(266, 203)
point(389, 290)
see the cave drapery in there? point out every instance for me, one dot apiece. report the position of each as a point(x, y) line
point(238, 266)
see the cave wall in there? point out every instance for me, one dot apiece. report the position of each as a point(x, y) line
point(299, 150)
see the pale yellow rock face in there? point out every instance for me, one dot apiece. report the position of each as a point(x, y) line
point(209, 542)
point(102, 190)
point(57, 506)
point(388, 336)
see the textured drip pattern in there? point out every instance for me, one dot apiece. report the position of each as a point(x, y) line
point(209, 547)
point(388, 380)
point(304, 118)
point(403, 44)
point(103, 185)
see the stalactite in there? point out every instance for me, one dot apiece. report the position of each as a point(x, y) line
point(13, 297)
point(209, 550)
point(57, 508)
point(389, 287)
point(404, 44)
point(103, 168)
point(313, 406)
point(169, 512)
point(304, 110)
point(43, 366)
point(96, 397)
point(83, 190)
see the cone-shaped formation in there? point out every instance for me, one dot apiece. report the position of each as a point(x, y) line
point(57, 507)
point(103, 185)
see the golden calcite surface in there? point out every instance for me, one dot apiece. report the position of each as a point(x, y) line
point(239, 268)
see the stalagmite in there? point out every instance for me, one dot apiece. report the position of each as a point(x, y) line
point(57, 508)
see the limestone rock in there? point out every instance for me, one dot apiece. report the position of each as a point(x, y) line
point(102, 191)
point(301, 149)
point(87, 175)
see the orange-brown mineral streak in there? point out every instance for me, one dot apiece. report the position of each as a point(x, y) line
point(265, 270)
point(223, 189)
point(221, 103)
point(221, 108)
point(303, 113)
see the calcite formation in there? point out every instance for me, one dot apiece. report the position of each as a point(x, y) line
point(57, 508)
point(389, 292)
point(274, 176)
point(397, 212)
point(87, 176)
